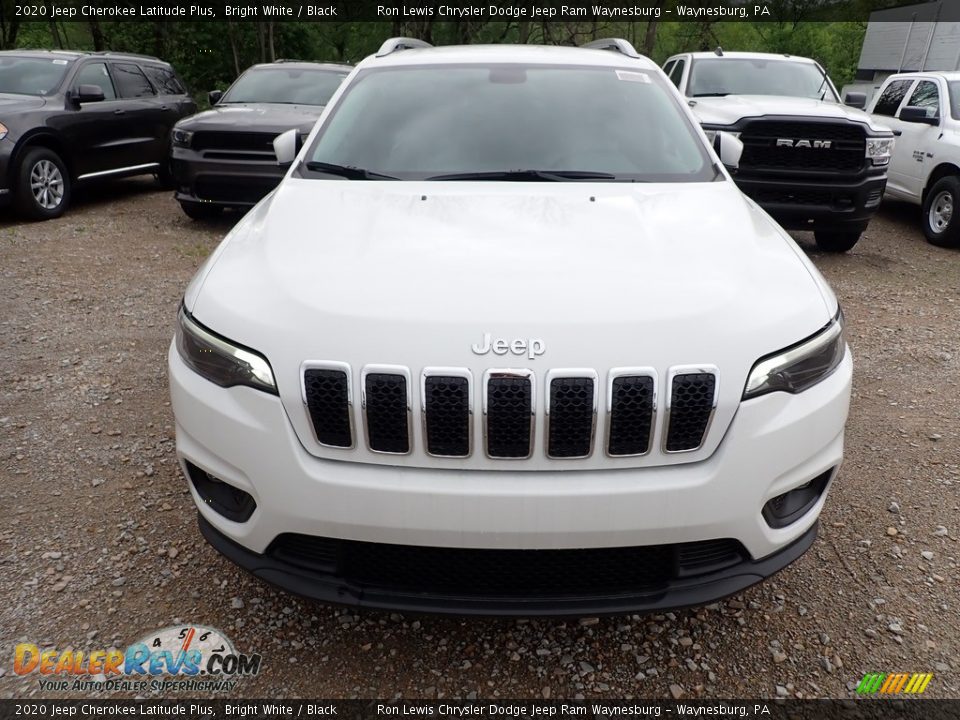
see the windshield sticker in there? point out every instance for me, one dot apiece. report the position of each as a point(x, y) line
point(629, 76)
point(59, 62)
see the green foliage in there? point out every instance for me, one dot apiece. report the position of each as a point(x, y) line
point(209, 55)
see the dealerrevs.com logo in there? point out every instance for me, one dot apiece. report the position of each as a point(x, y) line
point(894, 683)
point(179, 657)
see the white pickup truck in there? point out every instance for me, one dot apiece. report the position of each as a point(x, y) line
point(808, 160)
point(923, 109)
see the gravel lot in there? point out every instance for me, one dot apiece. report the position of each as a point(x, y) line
point(101, 545)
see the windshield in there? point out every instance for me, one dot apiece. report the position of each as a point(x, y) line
point(31, 76)
point(460, 120)
point(294, 86)
point(742, 76)
point(954, 86)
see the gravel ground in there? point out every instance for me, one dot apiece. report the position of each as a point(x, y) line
point(101, 543)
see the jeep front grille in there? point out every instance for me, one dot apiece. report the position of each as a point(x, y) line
point(510, 410)
point(846, 152)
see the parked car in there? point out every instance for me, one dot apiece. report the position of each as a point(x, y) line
point(924, 111)
point(224, 157)
point(808, 160)
point(72, 117)
point(488, 349)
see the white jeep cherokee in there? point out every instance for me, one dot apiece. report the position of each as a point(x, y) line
point(809, 161)
point(508, 339)
point(924, 111)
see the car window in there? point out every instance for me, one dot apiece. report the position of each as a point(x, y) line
point(96, 74)
point(677, 73)
point(422, 122)
point(30, 75)
point(289, 85)
point(927, 96)
point(717, 77)
point(131, 82)
point(891, 97)
point(668, 67)
point(164, 80)
point(954, 87)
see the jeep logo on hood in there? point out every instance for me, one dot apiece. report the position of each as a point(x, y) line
point(533, 347)
point(816, 144)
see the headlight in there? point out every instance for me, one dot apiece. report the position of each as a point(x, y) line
point(797, 368)
point(879, 149)
point(3, 131)
point(711, 131)
point(219, 360)
point(181, 138)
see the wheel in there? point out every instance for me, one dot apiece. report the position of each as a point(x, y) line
point(42, 189)
point(836, 242)
point(941, 213)
point(200, 211)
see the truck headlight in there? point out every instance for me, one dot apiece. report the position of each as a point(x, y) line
point(712, 130)
point(221, 361)
point(181, 138)
point(799, 367)
point(879, 150)
point(3, 131)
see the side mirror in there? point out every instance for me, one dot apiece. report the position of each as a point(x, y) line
point(856, 100)
point(214, 96)
point(914, 114)
point(728, 148)
point(88, 93)
point(286, 146)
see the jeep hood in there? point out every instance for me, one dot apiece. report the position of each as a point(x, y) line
point(730, 109)
point(253, 117)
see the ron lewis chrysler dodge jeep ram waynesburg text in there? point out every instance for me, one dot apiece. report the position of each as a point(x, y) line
point(476, 354)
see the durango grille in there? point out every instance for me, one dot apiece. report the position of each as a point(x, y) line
point(846, 151)
point(465, 572)
point(260, 145)
point(510, 409)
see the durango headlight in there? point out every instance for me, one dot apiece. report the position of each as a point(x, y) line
point(3, 131)
point(219, 360)
point(797, 368)
point(879, 149)
point(181, 138)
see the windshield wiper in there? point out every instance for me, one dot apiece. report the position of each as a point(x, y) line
point(347, 171)
point(717, 94)
point(528, 175)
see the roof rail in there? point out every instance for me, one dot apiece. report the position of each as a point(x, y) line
point(126, 54)
point(614, 44)
point(401, 43)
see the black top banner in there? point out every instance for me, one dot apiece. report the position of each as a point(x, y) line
point(471, 10)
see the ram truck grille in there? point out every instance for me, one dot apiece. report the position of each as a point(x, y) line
point(764, 150)
point(510, 410)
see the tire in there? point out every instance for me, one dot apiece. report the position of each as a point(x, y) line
point(833, 241)
point(941, 213)
point(42, 187)
point(164, 175)
point(200, 211)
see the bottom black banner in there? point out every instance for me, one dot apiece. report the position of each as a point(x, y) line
point(912, 709)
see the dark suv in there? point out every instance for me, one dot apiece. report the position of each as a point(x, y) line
point(224, 157)
point(70, 117)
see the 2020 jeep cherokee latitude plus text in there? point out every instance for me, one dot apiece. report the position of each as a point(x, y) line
point(476, 353)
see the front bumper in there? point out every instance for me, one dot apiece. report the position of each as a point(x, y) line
point(814, 204)
point(776, 443)
point(227, 183)
point(6, 173)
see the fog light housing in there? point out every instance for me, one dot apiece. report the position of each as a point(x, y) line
point(792, 505)
point(227, 500)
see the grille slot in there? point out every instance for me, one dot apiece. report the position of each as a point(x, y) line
point(631, 407)
point(236, 141)
point(571, 413)
point(692, 401)
point(487, 573)
point(508, 413)
point(386, 407)
point(447, 404)
point(326, 392)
